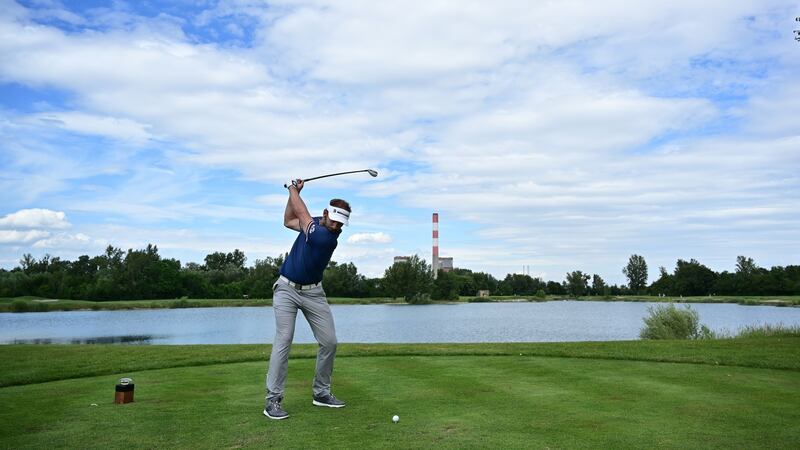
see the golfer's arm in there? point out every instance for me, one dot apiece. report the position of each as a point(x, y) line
point(289, 219)
point(296, 215)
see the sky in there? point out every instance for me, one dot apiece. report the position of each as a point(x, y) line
point(550, 136)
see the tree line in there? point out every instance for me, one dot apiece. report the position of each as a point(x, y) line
point(144, 274)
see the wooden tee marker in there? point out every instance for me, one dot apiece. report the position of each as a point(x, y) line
point(124, 391)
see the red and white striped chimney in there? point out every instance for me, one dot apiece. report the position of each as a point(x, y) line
point(435, 264)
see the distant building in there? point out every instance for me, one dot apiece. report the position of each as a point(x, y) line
point(483, 293)
point(445, 263)
point(401, 259)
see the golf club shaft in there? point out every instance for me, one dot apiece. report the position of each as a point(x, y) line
point(370, 171)
point(334, 174)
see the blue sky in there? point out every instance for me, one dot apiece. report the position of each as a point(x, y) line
point(556, 135)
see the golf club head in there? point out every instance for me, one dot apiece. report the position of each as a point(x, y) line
point(372, 172)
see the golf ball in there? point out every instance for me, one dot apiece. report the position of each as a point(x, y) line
point(396, 419)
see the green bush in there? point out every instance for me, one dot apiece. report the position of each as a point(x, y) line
point(669, 322)
point(40, 307)
point(419, 299)
point(20, 306)
point(182, 303)
point(540, 294)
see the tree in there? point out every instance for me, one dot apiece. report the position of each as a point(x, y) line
point(410, 279)
point(343, 280)
point(221, 261)
point(745, 266)
point(554, 288)
point(237, 258)
point(664, 284)
point(598, 285)
point(446, 286)
point(576, 283)
point(749, 279)
point(27, 262)
point(693, 278)
point(520, 284)
point(636, 271)
point(484, 282)
point(466, 281)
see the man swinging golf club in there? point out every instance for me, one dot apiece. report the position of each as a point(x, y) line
point(300, 287)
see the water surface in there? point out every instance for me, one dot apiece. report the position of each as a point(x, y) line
point(396, 323)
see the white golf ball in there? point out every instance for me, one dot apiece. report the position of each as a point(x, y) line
point(396, 419)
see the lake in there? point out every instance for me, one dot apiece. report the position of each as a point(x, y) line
point(397, 323)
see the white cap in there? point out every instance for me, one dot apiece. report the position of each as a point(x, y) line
point(338, 214)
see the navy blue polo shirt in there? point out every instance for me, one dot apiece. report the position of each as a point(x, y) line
point(310, 254)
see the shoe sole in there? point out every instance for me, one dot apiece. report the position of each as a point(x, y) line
point(275, 418)
point(316, 403)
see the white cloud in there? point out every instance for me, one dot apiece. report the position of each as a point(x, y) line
point(369, 238)
point(21, 237)
point(357, 42)
point(568, 133)
point(272, 200)
point(64, 241)
point(117, 128)
point(35, 218)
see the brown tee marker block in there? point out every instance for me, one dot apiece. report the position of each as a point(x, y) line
point(124, 393)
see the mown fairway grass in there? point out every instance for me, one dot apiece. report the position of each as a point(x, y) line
point(738, 393)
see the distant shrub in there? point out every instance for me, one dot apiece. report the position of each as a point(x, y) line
point(419, 299)
point(766, 330)
point(540, 294)
point(20, 306)
point(669, 322)
point(183, 303)
point(40, 307)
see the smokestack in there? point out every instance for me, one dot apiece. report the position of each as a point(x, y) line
point(435, 263)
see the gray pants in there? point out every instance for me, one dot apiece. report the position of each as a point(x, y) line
point(286, 301)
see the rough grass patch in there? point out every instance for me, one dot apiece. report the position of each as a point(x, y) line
point(767, 330)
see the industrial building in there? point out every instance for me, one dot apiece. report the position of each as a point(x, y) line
point(444, 263)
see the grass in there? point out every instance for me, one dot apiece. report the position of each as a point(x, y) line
point(38, 304)
point(767, 300)
point(739, 393)
point(767, 330)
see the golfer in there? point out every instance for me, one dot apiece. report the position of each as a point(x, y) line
point(300, 287)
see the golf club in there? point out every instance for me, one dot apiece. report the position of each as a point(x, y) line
point(370, 171)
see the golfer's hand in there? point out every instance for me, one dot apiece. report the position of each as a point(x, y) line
point(297, 184)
